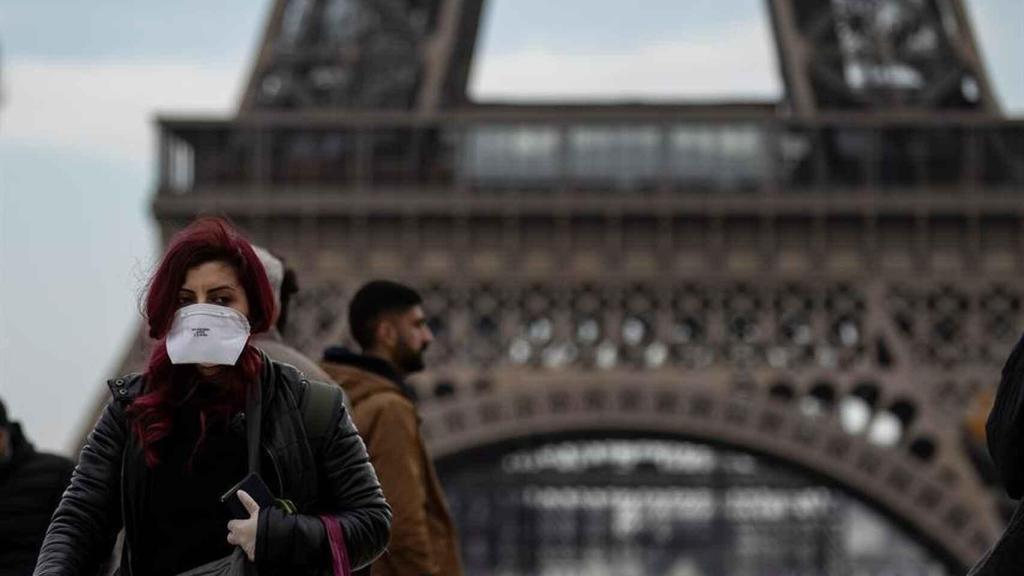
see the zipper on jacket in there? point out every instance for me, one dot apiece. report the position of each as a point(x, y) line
point(277, 471)
point(124, 522)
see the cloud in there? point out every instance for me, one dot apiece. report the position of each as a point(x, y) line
point(737, 64)
point(107, 108)
point(998, 31)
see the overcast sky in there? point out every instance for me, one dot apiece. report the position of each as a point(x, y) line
point(82, 81)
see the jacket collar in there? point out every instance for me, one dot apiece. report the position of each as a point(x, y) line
point(384, 369)
point(126, 388)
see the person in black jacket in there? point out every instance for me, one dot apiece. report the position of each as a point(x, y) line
point(1004, 434)
point(31, 484)
point(174, 439)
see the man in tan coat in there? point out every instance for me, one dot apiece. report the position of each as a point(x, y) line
point(387, 321)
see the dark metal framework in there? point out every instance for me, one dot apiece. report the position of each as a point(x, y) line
point(380, 54)
point(830, 281)
point(633, 506)
point(879, 54)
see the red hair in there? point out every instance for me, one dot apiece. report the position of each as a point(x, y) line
point(169, 386)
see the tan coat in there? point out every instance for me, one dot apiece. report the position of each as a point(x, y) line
point(423, 539)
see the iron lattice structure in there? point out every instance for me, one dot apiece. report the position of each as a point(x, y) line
point(829, 281)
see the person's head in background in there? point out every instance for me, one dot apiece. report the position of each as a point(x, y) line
point(283, 283)
point(5, 435)
point(387, 320)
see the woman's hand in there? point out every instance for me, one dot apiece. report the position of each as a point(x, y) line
point(243, 532)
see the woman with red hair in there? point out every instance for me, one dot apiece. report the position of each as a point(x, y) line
point(209, 458)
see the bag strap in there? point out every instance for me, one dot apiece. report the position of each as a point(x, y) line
point(252, 425)
point(340, 565)
point(318, 405)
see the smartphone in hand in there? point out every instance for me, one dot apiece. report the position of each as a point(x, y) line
point(255, 487)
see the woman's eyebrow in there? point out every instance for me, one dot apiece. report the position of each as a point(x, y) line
point(186, 290)
point(224, 287)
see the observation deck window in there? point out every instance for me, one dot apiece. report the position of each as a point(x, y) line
point(512, 154)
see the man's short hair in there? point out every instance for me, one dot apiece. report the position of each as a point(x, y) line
point(373, 300)
point(3, 414)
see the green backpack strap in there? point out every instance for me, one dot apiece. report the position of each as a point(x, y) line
point(318, 404)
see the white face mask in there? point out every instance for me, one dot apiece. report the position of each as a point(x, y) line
point(207, 334)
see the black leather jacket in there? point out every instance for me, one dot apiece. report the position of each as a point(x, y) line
point(31, 484)
point(1005, 436)
point(104, 494)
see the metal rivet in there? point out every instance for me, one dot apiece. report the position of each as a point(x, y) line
point(122, 392)
point(119, 382)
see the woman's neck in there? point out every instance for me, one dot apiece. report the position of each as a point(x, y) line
point(209, 371)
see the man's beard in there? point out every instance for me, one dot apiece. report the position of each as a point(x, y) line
point(408, 360)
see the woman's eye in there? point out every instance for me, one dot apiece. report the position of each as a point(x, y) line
point(222, 300)
point(184, 301)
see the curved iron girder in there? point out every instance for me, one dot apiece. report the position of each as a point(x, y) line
point(823, 46)
point(952, 515)
point(378, 64)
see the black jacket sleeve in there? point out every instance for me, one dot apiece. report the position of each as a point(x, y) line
point(350, 492)
point(1003, 430)
point(83, 528)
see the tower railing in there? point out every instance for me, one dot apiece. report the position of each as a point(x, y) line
point(484, 153)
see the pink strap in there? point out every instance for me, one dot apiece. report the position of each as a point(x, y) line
point(336, 540)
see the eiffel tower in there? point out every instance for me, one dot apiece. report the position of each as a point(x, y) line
point(670, 337)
